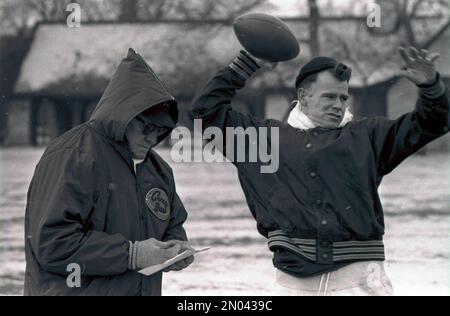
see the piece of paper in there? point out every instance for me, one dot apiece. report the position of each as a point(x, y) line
point(158, 267)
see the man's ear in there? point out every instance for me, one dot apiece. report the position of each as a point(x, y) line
point(301, 93)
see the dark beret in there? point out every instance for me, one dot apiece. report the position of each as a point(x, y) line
point(319, 64)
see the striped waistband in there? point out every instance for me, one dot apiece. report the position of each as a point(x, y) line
point(326, 251)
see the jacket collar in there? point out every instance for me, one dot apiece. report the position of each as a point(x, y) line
point(298, 119)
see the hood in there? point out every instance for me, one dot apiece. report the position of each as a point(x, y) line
point(133, 89)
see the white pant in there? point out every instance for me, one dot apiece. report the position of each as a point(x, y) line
point(357, 279)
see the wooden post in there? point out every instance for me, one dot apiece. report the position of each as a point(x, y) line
point(77, 109)
point(34, 108)
point(314, 20)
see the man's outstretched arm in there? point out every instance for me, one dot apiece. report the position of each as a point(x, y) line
point(395, 140)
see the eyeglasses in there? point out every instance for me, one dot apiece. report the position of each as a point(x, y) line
point(149, 127)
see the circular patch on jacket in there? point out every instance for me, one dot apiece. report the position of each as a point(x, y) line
point(158, 203)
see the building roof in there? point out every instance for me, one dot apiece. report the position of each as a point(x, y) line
point(80, 61)
point(62, 57)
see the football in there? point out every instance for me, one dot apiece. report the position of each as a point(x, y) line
point(266, 37)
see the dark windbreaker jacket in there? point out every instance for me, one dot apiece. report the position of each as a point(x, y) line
point(85, 203)
point(321, 209)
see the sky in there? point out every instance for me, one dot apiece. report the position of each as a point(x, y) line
point(286, 8)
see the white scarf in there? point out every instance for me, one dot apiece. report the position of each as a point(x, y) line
point(298, 119)
point(137, 162)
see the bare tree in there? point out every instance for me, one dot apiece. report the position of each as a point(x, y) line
point(416, 20)
point(20, 17)
point(150, 10)
point(368, 49)
point(314, 20)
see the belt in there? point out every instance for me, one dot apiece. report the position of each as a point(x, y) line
point(323, 251)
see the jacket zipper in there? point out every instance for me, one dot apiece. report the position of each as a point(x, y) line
point(143, 230)
point(141, 213)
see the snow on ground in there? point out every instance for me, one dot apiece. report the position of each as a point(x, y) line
point(417, 206)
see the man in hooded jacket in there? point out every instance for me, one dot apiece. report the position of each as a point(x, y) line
point(102, 200)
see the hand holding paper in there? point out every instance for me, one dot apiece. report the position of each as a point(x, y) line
point(166, 266)
point(184, 263)
point(150, 252)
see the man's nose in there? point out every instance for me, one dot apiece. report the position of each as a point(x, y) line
point(338, 105)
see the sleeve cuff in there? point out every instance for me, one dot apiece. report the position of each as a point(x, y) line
point(244, 65)
point(132, 256)
point(434, 90)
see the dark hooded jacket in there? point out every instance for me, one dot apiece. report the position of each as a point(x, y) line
point(85, 202)
point(321, 209)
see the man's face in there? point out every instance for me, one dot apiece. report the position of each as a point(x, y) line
point(142, 136)
point(324, 102)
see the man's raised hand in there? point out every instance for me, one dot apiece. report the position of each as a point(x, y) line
point(419, 65)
